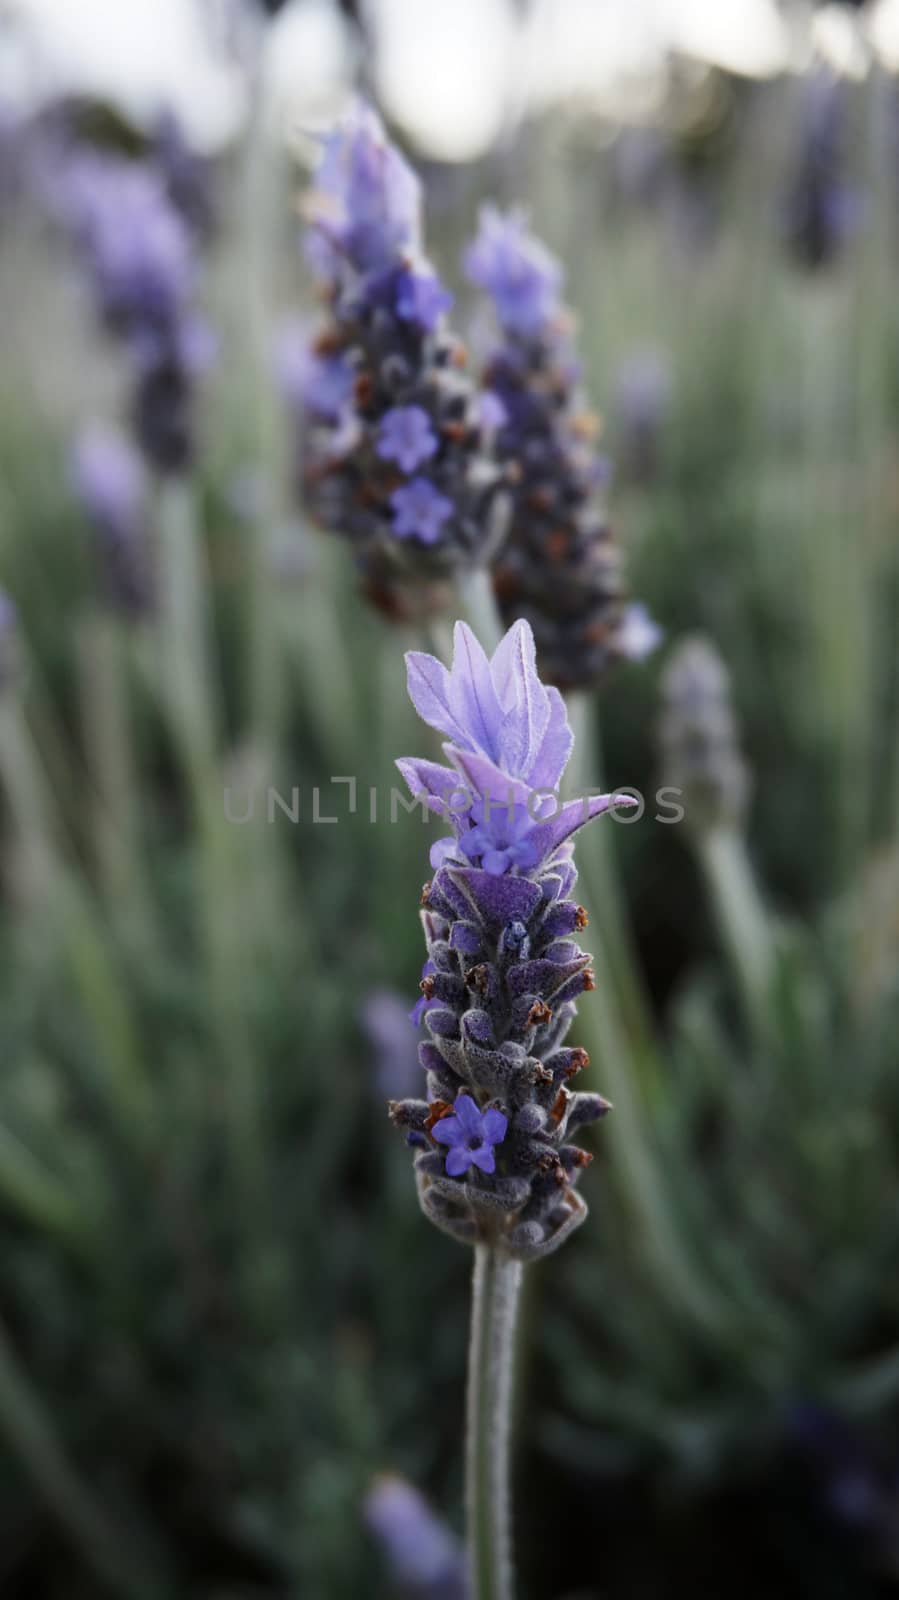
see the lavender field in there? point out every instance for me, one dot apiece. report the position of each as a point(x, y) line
point(449, 805)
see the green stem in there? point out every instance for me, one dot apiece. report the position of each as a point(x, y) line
point(185, 637)
point(107, 731)
point(479, 607)
point(495, 1289)
point(741, 920)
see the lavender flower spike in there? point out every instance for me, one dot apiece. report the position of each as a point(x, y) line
point(396, 455)
point(143, 267)
point(560, 567)
point(494, 1164)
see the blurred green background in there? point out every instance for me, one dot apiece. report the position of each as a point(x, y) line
point(221, 1313)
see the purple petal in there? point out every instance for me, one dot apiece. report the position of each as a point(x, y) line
point(547, 836)
point(467, 1114)
point(428, 683)
point(555, 747)
point(496, 861)
point(524, 699)
point(495, 1126)
point(484, 1158)
point(458, 1161)
point(433, 783)
point(472, 697)
point(447, 1131)
point(443, 850)
point(487, 779)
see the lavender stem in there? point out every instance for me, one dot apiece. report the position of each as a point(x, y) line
point(496, 1283)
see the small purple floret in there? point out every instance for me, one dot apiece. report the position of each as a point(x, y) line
point(498, 838)
point(406, 437)
point(419, 511)
point(421, 298)
point(471, 1135)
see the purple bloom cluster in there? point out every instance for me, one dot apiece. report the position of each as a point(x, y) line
point(396, 454)
point(109, 479)
point(503, 971)
point(143, 262)
point(561, 567)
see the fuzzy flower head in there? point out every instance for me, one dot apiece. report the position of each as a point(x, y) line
point(392, 452)
point(503, 971)
point(522, 276)
point(560, 566)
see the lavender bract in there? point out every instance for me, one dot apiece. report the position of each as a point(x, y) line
point(561, 567)
point(396, 456)
point(493, 1162)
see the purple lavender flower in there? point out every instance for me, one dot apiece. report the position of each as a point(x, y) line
point(109, 479)
point(642, 400)
point(320, 384)
point(423, 1555)
point(143, 268)
point(406, 437)
point(187, 176)
point(421, 298)
point(419, 511)
point(384, 1018)
point(560, 567)
point(367, 202)
point(499, 837)
point(471, 1135)
point(8, 640)
point(638, 634)
point(503, 972)
point(822, 210)
point(523, 278)
point(410, 410)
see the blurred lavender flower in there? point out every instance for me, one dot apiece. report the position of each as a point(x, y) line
point(700, 750)
point(109, 479)
point(561, 567)
point(823, 210)
point(642, 395)
point(856, 1485)
point(503, 973)
point(394, 452)
point(9, 646)
point(143, 266)
point(424, 1557)
point(187, 175)
point(638, 635)
point(390, 1032)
